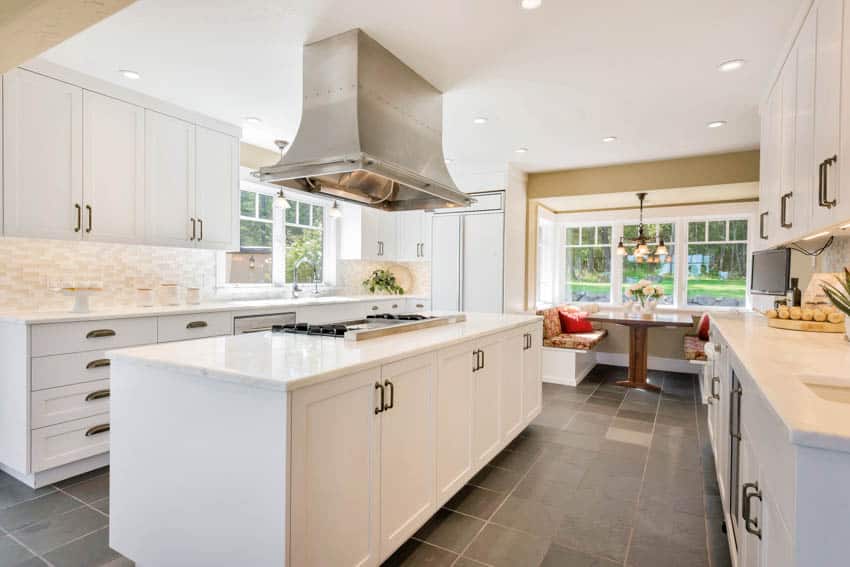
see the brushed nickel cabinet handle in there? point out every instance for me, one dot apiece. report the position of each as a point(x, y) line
point(79, 217)
point(783, 209)
point(420, 305)
point(389, 385)
point(98, 395)
point(194, 228)
point(196, 325)
point(201, 228)
point(100, 333)
point(374, 308)
point(395, 305)
point(97, 429)
point(381, 406)
point(98, 363)
point(827, 164)
point(89, 210)
point(762, 234)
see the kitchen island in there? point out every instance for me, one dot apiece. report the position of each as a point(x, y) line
point(284, 449)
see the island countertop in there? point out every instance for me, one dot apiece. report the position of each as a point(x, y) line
point(283, 361)
point(781, 362)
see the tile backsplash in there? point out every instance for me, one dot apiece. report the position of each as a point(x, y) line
point(31, 269)
point(835, 258)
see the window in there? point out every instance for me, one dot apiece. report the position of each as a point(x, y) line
point(272, 241)
point(717, 263)
point(304, 225)
point(587, 262)
point(658, 270)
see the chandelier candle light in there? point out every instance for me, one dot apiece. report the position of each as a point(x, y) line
point(641, 251)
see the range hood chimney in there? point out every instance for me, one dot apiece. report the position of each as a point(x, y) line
point(371, 131)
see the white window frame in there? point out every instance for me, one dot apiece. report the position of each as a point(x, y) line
point(329, 244)
point(678, 216)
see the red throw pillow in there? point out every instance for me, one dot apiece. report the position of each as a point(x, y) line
point(575, 322)
point(702, 328)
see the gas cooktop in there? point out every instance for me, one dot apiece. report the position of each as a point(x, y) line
point(377, 325)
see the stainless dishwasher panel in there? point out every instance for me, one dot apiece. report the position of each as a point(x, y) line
point(259, 323)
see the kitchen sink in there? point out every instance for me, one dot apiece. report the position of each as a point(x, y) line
point(830, 388)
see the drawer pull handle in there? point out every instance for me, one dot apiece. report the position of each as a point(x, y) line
point(395, 305)
point(98, 395)
point(99, 363)
point(196, 325)
point(100, 333)
point(420, 305)
point(97, 429)
point(374, 308)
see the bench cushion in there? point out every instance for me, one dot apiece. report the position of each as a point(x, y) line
point(694, 348)
point(577, 341)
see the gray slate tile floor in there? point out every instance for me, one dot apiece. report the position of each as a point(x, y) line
point(604, 477)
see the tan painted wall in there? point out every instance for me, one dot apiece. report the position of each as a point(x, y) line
point(30, 27)
point(255, 157)
point(717, 169)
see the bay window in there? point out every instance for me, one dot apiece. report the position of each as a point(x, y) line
point(717, 263)
point(660, 270)
point(587, 260)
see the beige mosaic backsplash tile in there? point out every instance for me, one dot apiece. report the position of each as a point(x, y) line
point(414, 277)
point(29, 268)
point(835, 258)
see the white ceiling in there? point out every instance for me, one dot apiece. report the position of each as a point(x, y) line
point(555, 80)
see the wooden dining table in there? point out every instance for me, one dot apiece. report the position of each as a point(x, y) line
point(639, 325)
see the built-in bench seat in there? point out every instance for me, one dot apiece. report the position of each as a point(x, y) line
point(695, 349)
point(567, 357)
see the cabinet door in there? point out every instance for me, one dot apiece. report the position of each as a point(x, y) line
point(805, 167)
point(169, 180)
point(830, 19)
point(787, 157)
point(532, 394)
point(408, 235)
point(217, 189)
point(370, 234)
point(335, 460)
point(749, 545)
point(42, 155)
point(513, 384)
point(446, 263)
point(113, 169)
point(454, 397)
point(408, 465)
point(769, 189)
point(387, 235)
point(483, 239)
point(487, 379)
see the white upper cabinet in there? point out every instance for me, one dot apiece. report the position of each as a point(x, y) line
point(413, 236)
point(805, 167)
point(170, 181)
point(216, 201)
point(113, 169)
point(42, 155)
point(367, 234)
point(783, 204)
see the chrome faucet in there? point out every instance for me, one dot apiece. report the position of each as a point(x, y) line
point(296, 289)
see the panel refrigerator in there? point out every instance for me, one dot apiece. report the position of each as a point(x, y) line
point(467, 262)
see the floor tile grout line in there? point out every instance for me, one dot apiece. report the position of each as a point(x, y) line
point(84, 503)
point(69, 542)
point(28, 548)
point(413, 537)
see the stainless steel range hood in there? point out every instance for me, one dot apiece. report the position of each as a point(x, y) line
point(371, 131)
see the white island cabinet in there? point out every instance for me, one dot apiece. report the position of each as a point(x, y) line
point(303, 450)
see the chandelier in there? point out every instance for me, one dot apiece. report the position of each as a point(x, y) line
point(641, 251)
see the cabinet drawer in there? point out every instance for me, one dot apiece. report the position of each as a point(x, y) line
point(62, 338)
point(58, 405)
point(66, 369)
point(70, 441)
point(417, 305)
point(194, 326)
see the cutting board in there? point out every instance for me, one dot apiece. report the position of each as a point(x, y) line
point(811, 326)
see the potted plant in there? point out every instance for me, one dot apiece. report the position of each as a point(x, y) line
point(383, 281)
point(839, 295)
point(646, 293)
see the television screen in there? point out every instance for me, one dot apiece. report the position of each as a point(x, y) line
point(771, 270)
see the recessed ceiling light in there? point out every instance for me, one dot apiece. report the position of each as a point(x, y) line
point(479, 120)
point(731, 65)
point(252, 120)
point(522, 150)
point(128, 74)
point(609, 139)
point(531, 4)
point(449, 160)
point(716, 124)
point(845, 226)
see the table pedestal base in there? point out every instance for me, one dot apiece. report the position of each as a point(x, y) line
point(638, 354)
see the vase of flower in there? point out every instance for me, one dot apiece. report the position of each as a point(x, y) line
point(645, 295)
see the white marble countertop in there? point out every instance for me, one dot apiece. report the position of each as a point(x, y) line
point(282, 361)
point(780, 362)
point(127, 312)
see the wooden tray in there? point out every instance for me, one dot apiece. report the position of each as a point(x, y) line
point(811, 326)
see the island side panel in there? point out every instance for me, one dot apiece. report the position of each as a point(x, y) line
point(14, 399)
point(199, 469)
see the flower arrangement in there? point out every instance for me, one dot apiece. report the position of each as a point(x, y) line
point(383, 281)
point(643, 291)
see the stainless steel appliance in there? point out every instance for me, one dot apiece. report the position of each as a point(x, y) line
point(371, 131)
point(373, 326)
point(260, 323)
point(467, 256)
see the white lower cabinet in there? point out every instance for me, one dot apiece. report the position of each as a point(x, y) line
point(374, 454)
point(513, 384)
point(407, 449)
point(532, 378)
